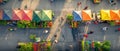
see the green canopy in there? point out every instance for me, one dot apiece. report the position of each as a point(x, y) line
point(43, 15)
point(46, 15)
point(36, 16)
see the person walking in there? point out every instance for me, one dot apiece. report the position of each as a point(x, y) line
point(118, 29)
point(86, 7)
point(105, 28)
point(91, 32)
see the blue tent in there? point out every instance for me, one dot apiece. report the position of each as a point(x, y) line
point(77, 15)
point(7, 15)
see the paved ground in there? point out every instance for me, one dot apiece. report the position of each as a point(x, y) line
point(100, 35)
point(9, 39)
point(65, 38)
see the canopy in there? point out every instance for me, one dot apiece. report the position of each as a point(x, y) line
point(7, 15)
point(46, 15)
point(36, 16)
point(114, 15)
point(105, 15)
point(86, 15)
point(1, 14)
point(27, 15)
point(119, 12)
point(17, 14)
point(77, 15)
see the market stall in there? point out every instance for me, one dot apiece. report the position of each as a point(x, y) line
point(7, 15)
point(46, 15)
point(105, 15)
point(77, 15)
point(86, 15)
point(36, 16)
point(46, 18)
point(115, 17)
point(28, 18)
point(17, 14)
point(110, 16)
point(1, 14)
point(27, 15)
point(76, 18)
point(2, 22)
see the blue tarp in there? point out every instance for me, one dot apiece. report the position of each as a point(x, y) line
point(5, 16)
point(77, 16)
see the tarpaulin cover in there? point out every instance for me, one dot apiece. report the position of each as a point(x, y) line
point(86, 15)
point(105, 15)
point(27, 15)
point(77, 15)
point(119, 12)
point(1, 14)
point(7, 15)
point(17, 14)
point(46, 15)
point(36, 16)
point(114, 15)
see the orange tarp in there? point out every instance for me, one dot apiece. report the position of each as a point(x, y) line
point(1, 14)
point(119, 12)
point(86, 15)
point(114, 15)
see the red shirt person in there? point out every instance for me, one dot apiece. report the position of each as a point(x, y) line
point(85, 35)
point(118, 29)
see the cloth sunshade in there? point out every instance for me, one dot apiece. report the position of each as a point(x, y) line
point(27, 15)
point(17, 14)
point(36, 16)
point(77, 15)
point(105, 15)
point(7, 15)
point(46, 15)
point(114, 15)
point(86, 15)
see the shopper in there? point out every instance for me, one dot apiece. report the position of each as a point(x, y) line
point(95, 22)
point(105, 28)
point(91, 32)
point(118, 29)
